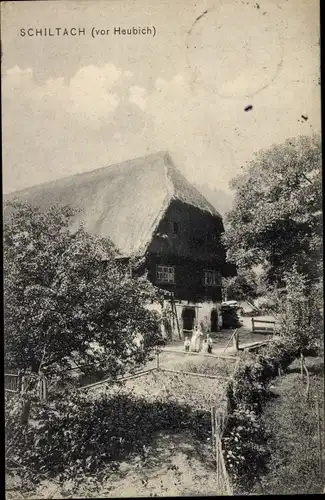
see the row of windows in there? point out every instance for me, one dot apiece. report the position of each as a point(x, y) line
point(166, 274)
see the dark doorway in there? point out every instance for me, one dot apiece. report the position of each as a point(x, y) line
point(214, 320)
point(188, 316)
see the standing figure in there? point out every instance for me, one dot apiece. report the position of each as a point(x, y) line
point(209, 341)
point(186, 344)
point(194, 338)
point(199, 339)
point(205, 346)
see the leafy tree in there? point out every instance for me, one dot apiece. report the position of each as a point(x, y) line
point(68, 300)
point(298, 307)
point(243, 286)
point(276, 220)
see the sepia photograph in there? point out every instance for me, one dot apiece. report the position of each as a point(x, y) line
point(162, 248)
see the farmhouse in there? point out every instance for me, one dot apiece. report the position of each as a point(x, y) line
point(148, 209)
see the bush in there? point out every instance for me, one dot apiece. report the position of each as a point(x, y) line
point(245, 440)
point(246, 453)
point(74, 434)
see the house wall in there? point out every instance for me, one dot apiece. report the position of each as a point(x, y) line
point(197, 236)
point(202, 313)
point(192, 248)
point(189, 278)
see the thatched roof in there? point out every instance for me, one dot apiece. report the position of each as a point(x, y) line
point(124, 202)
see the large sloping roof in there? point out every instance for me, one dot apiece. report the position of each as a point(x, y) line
point(124, 202)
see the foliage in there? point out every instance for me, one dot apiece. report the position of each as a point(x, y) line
point(291, 423)
point(73, 435)
point(243, 286)
point(245, 442)
point(276, 221)
point(68, 300)
point(248, 387)
point(246, 453)
point(298, 310)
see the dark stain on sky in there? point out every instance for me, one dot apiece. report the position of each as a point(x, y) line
point(249, 107)
point(196, 20)
point(201, 15)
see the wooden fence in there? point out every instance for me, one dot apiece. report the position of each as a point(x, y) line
point(257, 328)
point(191, 353)
point(219, 419)
point(12, 382)
point(16, 383)
point(219, 423)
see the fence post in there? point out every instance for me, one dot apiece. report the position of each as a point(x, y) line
point(157, 357)
point(236, 340)
point(217, 450)
point(213, 430)
point(252, 325)
point(301, 365)
point(320, 447)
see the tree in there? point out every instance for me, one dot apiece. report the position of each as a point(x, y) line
point(67, 300)
point(297, 307)
point(243, 286)
point(276, 221)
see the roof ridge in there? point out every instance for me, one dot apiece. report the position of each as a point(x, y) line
point(159, 154)
point(172, 167)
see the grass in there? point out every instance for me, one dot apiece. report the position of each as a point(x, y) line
point(293, 426)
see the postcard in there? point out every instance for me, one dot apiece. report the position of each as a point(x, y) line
point(162, 205)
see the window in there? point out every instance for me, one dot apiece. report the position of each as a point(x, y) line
point(165, 274)
point(212, 278)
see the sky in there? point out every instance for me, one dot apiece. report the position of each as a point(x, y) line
point(72, 104)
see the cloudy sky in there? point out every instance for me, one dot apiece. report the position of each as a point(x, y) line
point(72, 104)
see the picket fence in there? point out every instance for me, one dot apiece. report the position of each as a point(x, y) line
point(16, 383)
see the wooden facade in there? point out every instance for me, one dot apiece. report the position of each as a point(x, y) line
point(188, 240)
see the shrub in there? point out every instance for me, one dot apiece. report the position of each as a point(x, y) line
point(298, 309)
point(246, 452)
point(248, 387)
point(245, 440)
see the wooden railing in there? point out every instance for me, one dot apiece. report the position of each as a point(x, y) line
point(263, 329)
